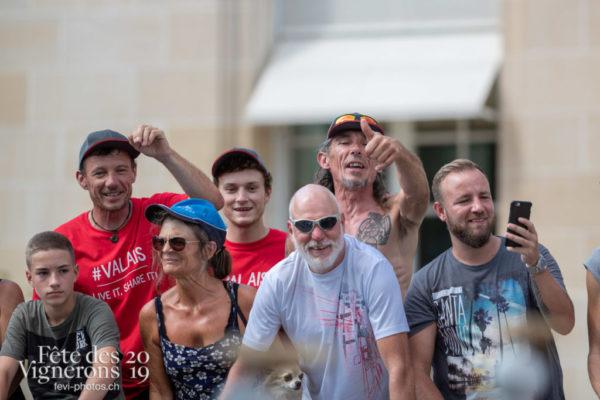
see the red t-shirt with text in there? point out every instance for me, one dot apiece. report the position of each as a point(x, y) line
point(122, 274)
point(250, 261)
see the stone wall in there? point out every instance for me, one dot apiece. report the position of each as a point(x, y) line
point(71, 67)
point(550, 118)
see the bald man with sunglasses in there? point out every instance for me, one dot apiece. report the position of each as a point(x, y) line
point(337, 301)
point(351, 162)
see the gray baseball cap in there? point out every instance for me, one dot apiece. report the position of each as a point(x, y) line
point(103, 139)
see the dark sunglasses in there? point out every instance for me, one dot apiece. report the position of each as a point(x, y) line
point(307, 225)
point(176, 243)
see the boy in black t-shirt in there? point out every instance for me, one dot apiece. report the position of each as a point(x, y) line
point(70, 340)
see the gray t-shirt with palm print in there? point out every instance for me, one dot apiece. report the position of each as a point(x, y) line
point(481, 313)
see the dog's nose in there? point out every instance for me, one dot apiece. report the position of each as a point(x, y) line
point(297, 384)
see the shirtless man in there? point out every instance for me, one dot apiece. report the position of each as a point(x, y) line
point(351, 161)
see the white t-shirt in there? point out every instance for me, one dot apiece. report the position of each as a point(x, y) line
point(333, 320)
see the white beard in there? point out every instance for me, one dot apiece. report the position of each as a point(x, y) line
point(321, 265)
point(349, 184)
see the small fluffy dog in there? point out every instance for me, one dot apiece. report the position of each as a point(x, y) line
point(283, 382)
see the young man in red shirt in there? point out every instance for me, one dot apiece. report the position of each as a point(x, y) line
point(245, 184)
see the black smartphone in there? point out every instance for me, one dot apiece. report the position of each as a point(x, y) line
point(517, 209)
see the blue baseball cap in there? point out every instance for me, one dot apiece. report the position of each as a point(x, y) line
point(195, 211)
point(237, 152)
point(105, 138)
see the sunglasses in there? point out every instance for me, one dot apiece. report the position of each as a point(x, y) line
point(307, 225)
point(353, 117)
point(176, 243)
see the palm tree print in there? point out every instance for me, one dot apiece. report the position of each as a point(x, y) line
point(496, 297)
point(482, 320)
point(472, 293)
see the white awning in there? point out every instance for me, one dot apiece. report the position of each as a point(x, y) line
point(393, 79)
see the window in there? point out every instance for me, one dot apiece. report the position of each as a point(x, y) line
point(306, 140)
point(438, 143)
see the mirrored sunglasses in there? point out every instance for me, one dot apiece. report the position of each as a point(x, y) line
point(176, 243)
point(307, 225)
point(352, 117)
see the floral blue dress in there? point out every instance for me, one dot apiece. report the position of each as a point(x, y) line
point(201, 373)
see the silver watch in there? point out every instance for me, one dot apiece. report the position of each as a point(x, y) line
point(540, 266)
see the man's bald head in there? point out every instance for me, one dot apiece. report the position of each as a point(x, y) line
point(310, 197)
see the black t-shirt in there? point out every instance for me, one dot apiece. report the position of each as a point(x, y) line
point(60, 357)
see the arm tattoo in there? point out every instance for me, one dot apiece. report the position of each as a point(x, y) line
point(375, 229)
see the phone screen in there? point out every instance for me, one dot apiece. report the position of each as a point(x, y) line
point(517, 209)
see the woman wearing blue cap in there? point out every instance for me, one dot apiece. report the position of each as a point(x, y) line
point(193, 331)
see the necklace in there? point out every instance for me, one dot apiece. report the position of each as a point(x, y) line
point(114, 238)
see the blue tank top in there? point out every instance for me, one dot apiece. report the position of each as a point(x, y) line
point(201, 373)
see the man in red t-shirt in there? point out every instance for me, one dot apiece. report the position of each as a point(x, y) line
point(245, 184)
point(113, 240)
